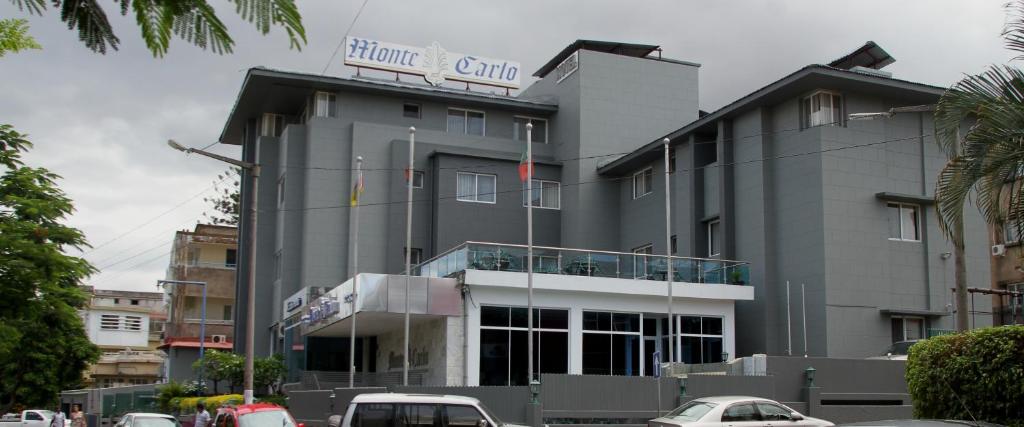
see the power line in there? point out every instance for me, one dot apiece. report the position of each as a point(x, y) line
point(123, 260)
point(343, 37)
point(133, 267)
point(145, 240)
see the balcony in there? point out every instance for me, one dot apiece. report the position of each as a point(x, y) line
point(578, 262)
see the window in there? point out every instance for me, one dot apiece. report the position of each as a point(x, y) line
point(231, 257)
point(117, 300)
point(411, 110)
point(132, 323)
point(700, 339)
point(546, 194)
point(417, 255)
point(476, 187)
point(741, 412)
point(373, 415)
point(417, 179)
point(110, 322)
point(134, 302)
point(503, 343)
point(1011, 234)
point(714, 238)
point(417, 415)
point(280, 192)
point(611, 343)
point(643, 183)
point(671, 160)
point(641, 260)
point(822, 108)
point(466, 121)
point(903, 222)
point(673, 244)
point(33, 416)
point(272, 125)
point(540, 129)
point(462, 416)
point(326, 104)
point(907, 328)
point(228, 314)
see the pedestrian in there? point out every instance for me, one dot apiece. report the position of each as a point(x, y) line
point(202, 417)
point(77, 416)
point(58, 418)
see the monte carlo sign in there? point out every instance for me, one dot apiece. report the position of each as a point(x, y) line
point(433, 63)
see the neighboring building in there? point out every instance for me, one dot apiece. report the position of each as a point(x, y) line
point(207, 254)
point(812, 215)
point(1007, 278)
point(126, 326)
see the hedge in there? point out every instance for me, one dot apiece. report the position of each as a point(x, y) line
point(977, 374)
point(187, 405)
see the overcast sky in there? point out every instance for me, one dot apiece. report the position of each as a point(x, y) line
point(102, 121)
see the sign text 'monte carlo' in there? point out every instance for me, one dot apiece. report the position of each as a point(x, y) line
point(433, 63)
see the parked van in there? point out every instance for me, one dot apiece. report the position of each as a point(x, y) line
point(418, 410)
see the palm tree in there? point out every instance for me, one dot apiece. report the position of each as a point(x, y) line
point(193, 21)
point(979, 122)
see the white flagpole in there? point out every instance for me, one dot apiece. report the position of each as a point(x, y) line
point(355, 275)
point(668, 250)
point(529, 248)
point(408, 252)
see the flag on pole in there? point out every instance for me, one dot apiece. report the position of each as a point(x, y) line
point(524, 167)
point(357, 189)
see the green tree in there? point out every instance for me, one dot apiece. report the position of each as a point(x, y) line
point(43, 345)
point(220, 366)
point(194, 21)
point(267, 373)
point(14, 36)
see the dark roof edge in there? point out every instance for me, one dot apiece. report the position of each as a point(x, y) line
point(234, 108)
point(743, 101)
point(582, 44)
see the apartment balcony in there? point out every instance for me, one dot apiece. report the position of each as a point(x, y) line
point(219, 278)
point(579, 262)
point(190, 329)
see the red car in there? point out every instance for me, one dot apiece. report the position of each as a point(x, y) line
point(254, 415)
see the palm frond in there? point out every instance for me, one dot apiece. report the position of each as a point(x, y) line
point(1013, 31)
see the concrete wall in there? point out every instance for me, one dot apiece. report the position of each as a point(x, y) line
point(428, 341)
point(120, 338)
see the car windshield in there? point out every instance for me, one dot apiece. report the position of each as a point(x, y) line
point(154, 422)
point(266, 419)
point(487, 411)
point(691, 411)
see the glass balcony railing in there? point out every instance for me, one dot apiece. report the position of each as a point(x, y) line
point(577, 262)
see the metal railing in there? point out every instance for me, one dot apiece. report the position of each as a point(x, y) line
point(580, 262)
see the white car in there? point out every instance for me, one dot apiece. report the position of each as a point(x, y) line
point(734, 411)
point(418, 410)
point(142, 419)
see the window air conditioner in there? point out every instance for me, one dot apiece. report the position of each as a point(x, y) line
point(218, 339)
point(998, 250)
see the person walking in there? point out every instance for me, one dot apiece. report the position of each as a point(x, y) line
point(58, 418)
point(77, 416)
point(202, 417)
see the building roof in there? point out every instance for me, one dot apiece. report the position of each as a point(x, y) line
point(808, 78)
point(284, 92)
point(194, 343)
point(113, 293)
point(617, 48)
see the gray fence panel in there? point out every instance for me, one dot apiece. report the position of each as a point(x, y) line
point(836, 375)
point(849, 414)
point(594, 396)
point(508, 403)
point(310, 407)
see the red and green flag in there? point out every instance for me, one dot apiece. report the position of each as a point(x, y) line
point(525, 165)
point(357, 189)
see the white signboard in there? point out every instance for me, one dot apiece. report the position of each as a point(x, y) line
point(433, 63)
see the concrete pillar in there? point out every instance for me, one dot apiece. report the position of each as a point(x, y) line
point(727, 218)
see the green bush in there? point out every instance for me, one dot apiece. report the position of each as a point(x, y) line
point(166, 395)
point(977, 374)
point(275, 399)
point(187, 405)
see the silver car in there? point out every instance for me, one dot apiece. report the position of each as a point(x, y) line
point(734, 411)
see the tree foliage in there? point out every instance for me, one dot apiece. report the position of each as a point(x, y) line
point(979, 122)
point(972, 375)
point(194, 21)
point(43, 345)
point(225, 198)
point(14, 37)
point(220, 366)
point(268, 372)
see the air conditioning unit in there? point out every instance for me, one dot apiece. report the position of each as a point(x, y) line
point(219, 339)
point(998, 250)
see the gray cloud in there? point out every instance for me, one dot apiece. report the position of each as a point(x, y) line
point(101, 121)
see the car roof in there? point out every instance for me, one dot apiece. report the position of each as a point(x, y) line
point(414, 397)
point(729, 399)
point(250, 408)
point(149, 415)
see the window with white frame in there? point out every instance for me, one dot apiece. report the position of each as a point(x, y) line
point(700, 339)
point(417, 179)
point(904, 222)
point(906, 328)
point(504, 336)
point(611, 343)
point(326, 104)
point(714, 238)
point(546, 194)
point(540, 129)
point(641, 259)
point(469, 122)
point(476, 187)
point(272, 124)
point(822, 108)
point(643, 183)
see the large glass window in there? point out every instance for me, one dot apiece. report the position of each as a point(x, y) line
point(700, 339)
point(546, 194)
point(904, 222)
point(540, 129)
point(611, 343)
point(503, 344)
point(822, 108)
point(907, 328)
point(476, 187)
point(643, 183)
point(468, 122)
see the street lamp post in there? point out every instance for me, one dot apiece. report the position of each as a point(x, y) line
point(250, 318)
point(202, 321)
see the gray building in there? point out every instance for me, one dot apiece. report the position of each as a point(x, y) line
point(779, 179)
